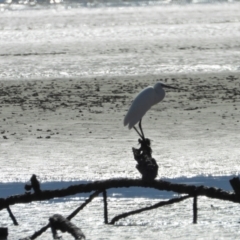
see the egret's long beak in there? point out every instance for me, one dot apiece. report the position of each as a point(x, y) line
point(167, 86)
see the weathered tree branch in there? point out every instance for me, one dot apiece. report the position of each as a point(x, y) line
point(195, 209)
point(58, 222)
point(91, 197)
point(157, 205)
point(101, 186)
point(235, 183)
point(3, 233)
point(38, 233)
point(12, 216)
point(121, 183)
point(105, 207)
point(147, 166)
point(73, 214)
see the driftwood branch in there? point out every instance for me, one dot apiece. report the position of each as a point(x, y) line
point(146, 165)
point(73, 214)
point(3, 233)
point(235, 183)
point(58, 222)
point(157, 205)
point(105, 207)
point(195, 209)
point(91, 197)
point(101, 186)
point(12, 216)
point(38, 233)
point(121, 183)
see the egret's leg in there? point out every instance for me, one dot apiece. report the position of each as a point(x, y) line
point(140, 127)
point(138, 132)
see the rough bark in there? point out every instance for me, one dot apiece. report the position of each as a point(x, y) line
point(121, 183)
point(146, 165)
point(58, 222)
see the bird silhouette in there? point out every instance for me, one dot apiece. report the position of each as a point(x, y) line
point(148, 97)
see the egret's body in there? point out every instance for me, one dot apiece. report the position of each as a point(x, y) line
point(142, 103)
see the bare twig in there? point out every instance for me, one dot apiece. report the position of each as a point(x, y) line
point(105, 207)
point(195, 209)
point(91, 197)
point(12, 216)
point(157, 205)
point(39, 233)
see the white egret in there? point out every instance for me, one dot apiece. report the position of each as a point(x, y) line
point(148, 97)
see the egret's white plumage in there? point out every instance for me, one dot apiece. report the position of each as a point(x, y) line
point(143, 102)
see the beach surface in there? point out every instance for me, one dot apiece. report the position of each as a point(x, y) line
point(69, 125)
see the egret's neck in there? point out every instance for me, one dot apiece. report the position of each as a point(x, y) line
point(160, 94)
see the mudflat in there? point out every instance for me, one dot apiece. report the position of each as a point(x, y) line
point(68, 124)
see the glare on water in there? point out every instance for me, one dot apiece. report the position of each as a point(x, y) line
point(71, 43)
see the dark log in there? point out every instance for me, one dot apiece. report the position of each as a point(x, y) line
point(12, 216)
point(157, 205)
point(3, 233)
point(105, 207)
point(58, 222)
point(235, 183)
point(121, 183)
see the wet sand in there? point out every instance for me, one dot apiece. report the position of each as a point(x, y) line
point(39, 117)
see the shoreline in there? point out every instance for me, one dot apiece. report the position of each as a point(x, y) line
point(125, 77)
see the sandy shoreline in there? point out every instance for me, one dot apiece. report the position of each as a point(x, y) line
point(70, 118)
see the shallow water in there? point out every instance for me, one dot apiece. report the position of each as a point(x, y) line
point(66, 42)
